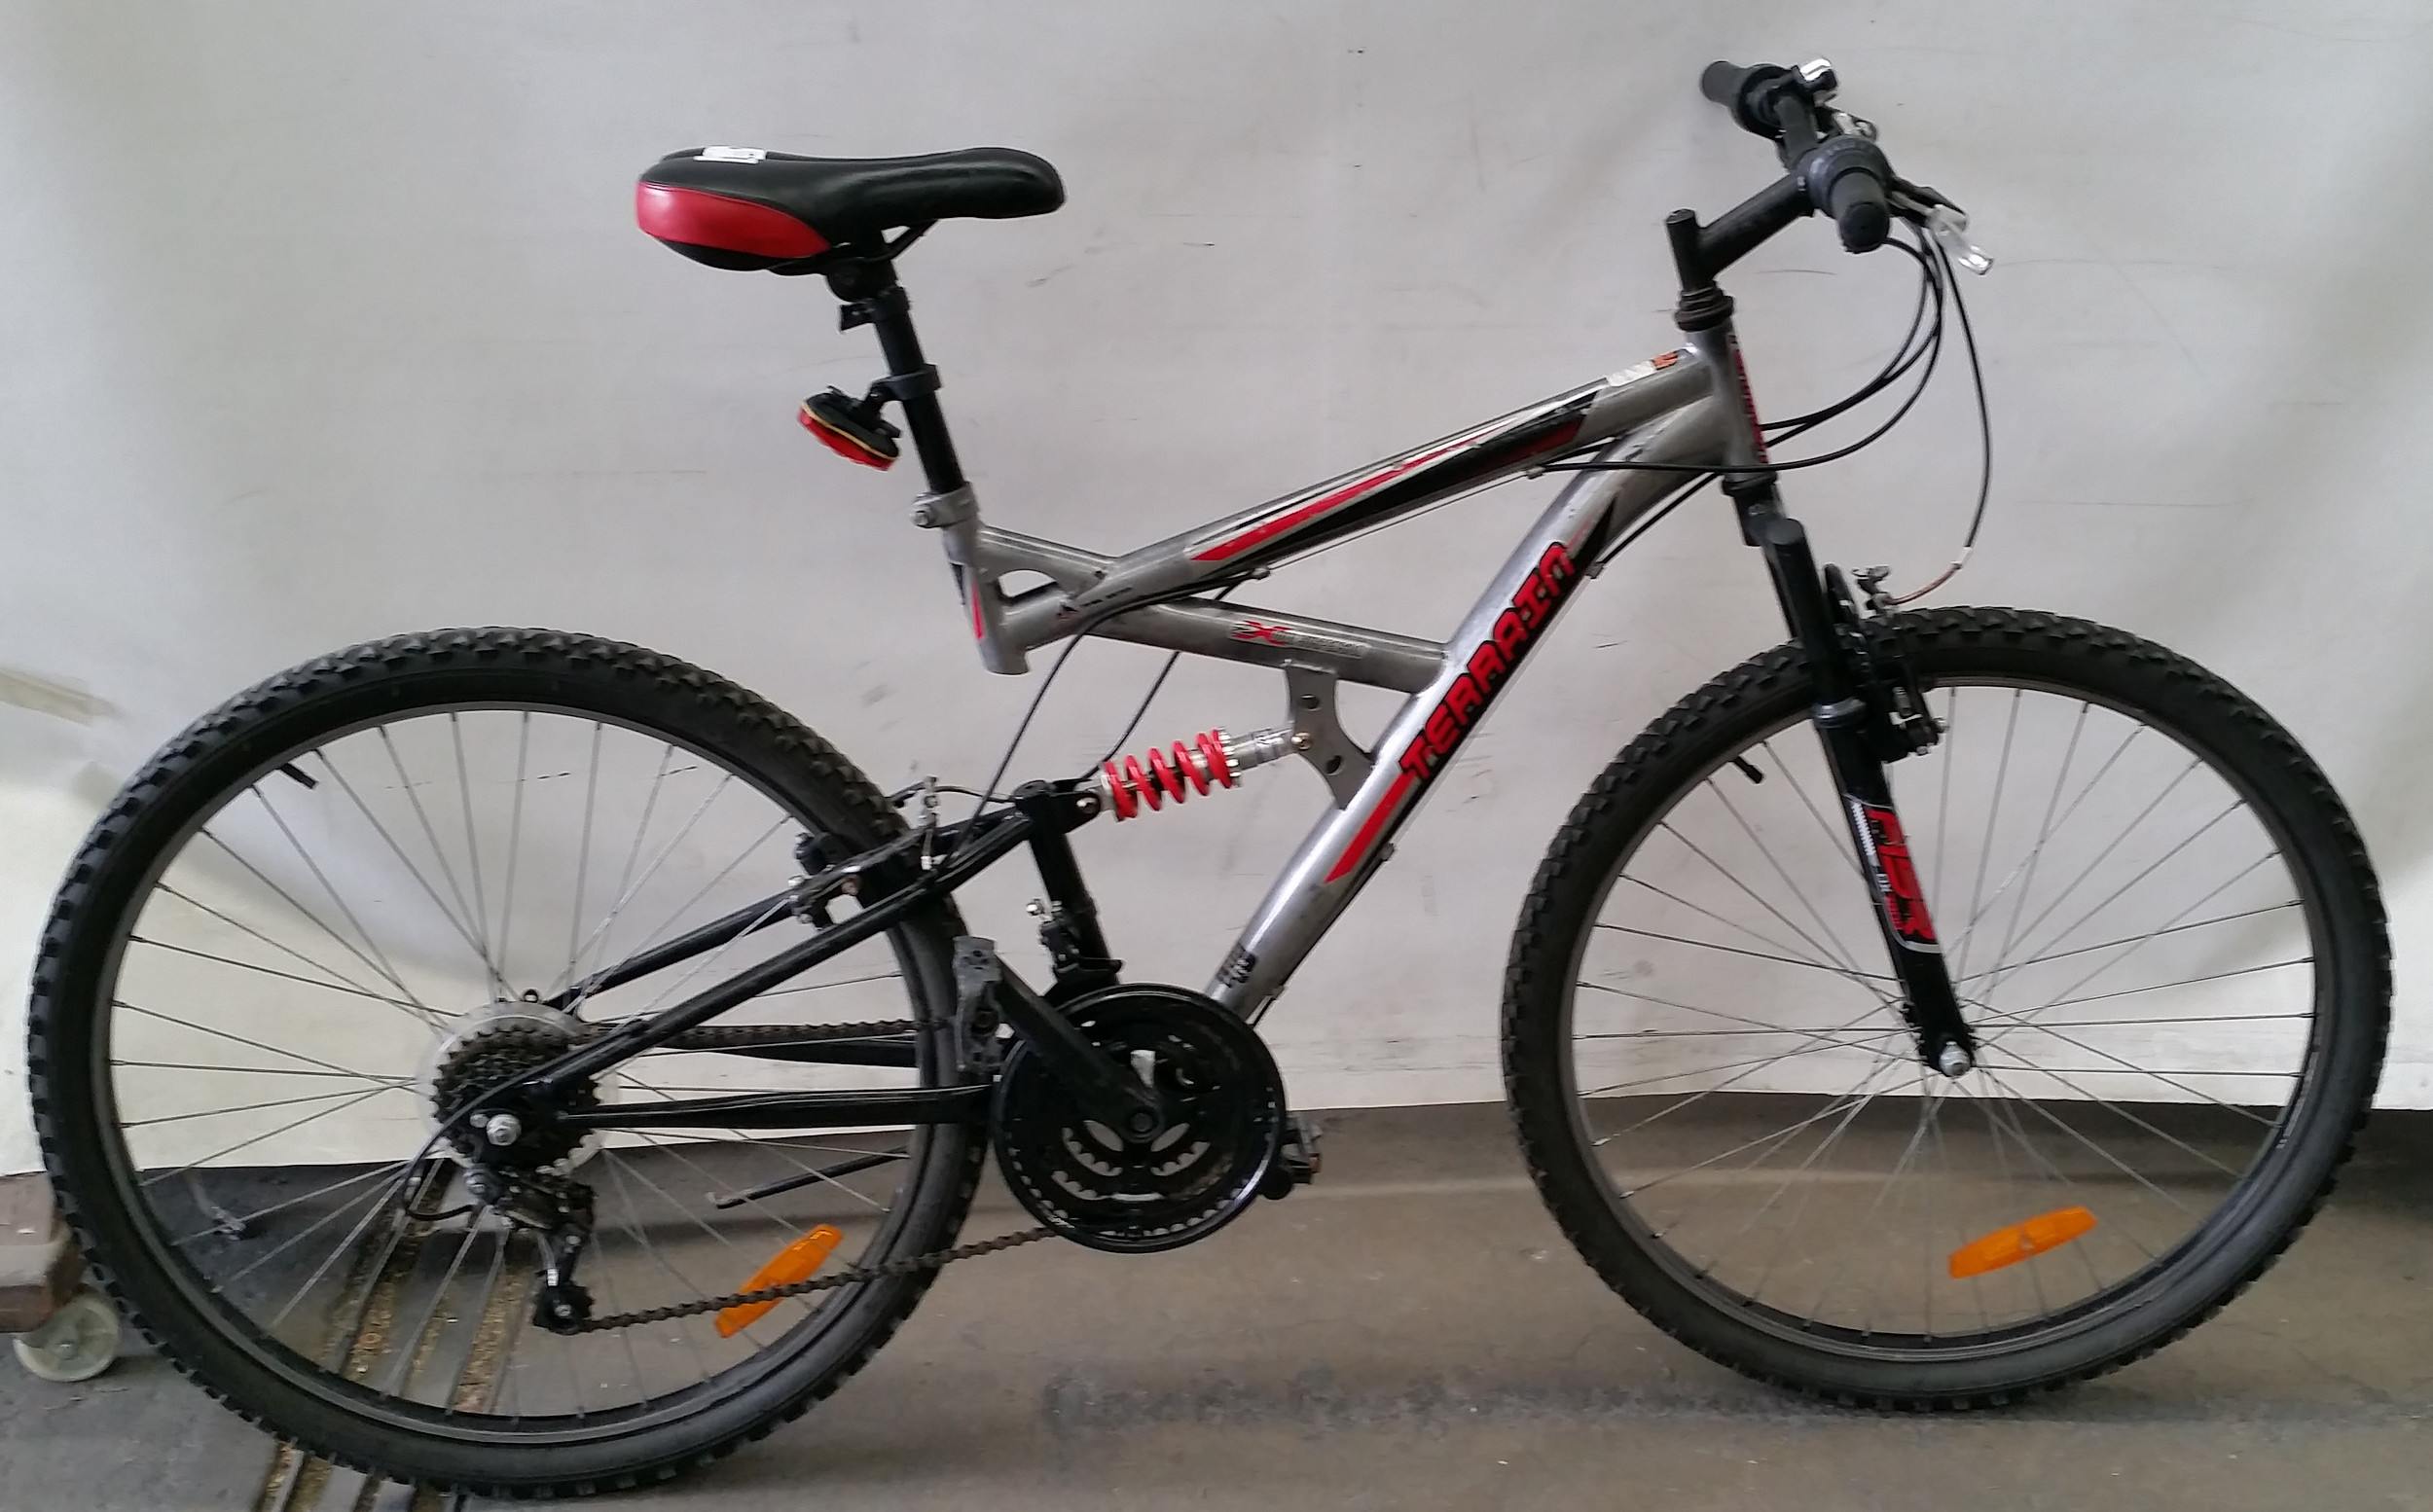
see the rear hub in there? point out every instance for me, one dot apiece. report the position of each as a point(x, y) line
point(512, 1132)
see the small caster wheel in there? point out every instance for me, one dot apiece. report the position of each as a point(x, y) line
point(80, 1341)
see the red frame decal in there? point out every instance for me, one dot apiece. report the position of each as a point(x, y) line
point(1259, 630)
point(1484, 671)
point(1898, 890)
point(1291, 520)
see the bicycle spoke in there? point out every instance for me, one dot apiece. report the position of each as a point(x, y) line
point(2044, 828)
point(1799, 1208)
point(1726, 1086)
point(2140, 943)
point(623, 892)
point(2048, 1116)
point(245, 1218)
point(409, 1359)
point(774, 1147)
point(640, 1237)
point(327, 1065)
point(2149, 869)
point(2036, 1273)
point(338, 977)
point(515, 837)
point(1761, 1027)
point(2119, 838)
point(1837, 950)
point(1901, 1167)
point(1837, 840)
point(1993, 811)
point(1858, 979)
point(582, 870)
point(1734, 949)
point(473, 856)
point(272, 971)
point(1666, 826)
point(447, 873)
point(1703, 1071)
point(379, 968)
point(2211, 975)
point(249, 1107)
point(653, 935)
point(351, 1100)
point(2106, 1104)
point(379, 1198)
point(2163, 1077)
point(1770, 1135)
point(2085, 949)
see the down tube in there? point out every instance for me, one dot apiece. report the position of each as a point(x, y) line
point(1345, 848)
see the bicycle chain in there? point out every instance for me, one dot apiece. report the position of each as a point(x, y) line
point(935, 1260)
point(727, 1037)
point(740, 1036)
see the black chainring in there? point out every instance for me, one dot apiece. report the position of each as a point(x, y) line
point(1224, 1107)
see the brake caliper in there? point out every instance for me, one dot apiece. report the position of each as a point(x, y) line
point(1881, 670)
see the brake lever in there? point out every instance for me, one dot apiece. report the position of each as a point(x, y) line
point(1946, 221)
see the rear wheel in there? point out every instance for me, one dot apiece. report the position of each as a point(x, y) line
point(357, 895)
point(2161, 926)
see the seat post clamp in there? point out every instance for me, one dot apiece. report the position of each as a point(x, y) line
point(906, 386)
point(945, 510)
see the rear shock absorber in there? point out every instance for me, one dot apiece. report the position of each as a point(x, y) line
point(1177, 772)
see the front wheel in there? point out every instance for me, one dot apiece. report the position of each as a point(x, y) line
point(2161, 928)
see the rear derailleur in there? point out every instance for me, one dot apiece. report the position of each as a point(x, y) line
point(1881, 672)
point(557, 1210)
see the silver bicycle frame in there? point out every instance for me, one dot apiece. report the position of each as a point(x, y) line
point(1686, 408)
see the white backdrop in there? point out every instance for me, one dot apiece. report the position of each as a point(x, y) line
point(322, 322)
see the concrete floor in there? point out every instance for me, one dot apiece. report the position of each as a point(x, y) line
point(1414, 1332)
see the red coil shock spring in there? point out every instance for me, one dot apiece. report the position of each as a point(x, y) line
point(1197, 762)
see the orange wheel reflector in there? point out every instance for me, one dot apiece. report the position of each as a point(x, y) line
point(2020, 1241)
point(796, 1262)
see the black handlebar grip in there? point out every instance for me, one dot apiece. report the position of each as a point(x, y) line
point(1738, 89)
point(1856, 202)
point(1721, 82)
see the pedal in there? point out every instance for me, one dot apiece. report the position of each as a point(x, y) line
point(851, 428)
point(1299, 1162)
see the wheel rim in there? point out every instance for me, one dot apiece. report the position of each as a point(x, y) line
point(1811, 1181)
point(425, 1324)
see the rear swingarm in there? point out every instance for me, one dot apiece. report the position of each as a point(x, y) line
point(890, 883)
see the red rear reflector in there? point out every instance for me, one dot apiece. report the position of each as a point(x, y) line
point(847, 446)
point(2018, 1241)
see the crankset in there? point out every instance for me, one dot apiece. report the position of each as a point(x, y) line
point(1221, 1133)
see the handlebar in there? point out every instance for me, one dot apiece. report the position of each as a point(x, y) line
point(1840, 174)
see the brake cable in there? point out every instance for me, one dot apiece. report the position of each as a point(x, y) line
point(1984, 435)
point(1937, 278)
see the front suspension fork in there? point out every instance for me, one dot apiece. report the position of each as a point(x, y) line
point(1842, 715)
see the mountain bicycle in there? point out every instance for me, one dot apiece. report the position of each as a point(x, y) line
point(514, 1060)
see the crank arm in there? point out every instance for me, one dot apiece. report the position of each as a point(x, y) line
point(1106, 1090)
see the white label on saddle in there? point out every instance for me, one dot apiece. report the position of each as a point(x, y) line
point(733, 154)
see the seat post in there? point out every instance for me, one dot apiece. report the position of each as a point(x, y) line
point(874, 298)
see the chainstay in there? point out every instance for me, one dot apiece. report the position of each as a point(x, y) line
point(742, 1036)
point(912, 1265)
